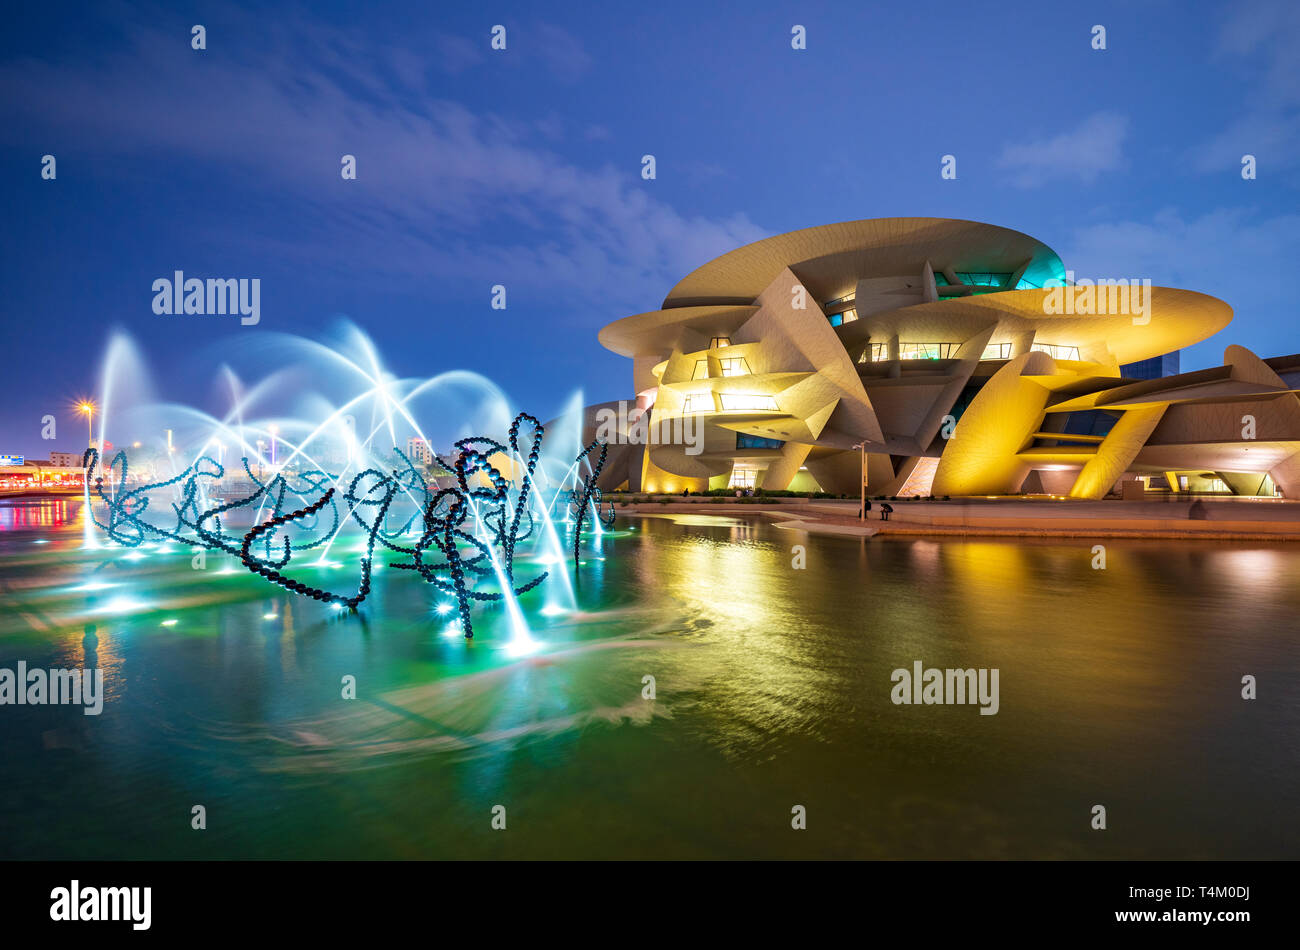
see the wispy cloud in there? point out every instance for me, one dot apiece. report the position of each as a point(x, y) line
point(438, 183)
point(1180, 251)
point(1260, 40)
point(1082, 153)
point(1235, 253)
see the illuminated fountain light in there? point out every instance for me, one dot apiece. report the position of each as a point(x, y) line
point(169, 623)
point(269, 616)
point(121, 605)
point(92, 586)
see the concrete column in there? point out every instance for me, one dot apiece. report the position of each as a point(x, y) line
point(781, 471)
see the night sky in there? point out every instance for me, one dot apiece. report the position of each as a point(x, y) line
point(522, 167)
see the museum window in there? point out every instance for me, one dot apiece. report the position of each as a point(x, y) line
point(743, 478)
point(1057, 352)
point(746, 402)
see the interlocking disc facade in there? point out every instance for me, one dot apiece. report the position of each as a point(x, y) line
point(957, 355)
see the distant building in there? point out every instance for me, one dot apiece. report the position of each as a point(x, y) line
point(65, 459)
point(419, 450)
point(38, 474)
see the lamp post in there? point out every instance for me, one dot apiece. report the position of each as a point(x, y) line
point(274, 430)
point(259, 459)
point(88, 409)
point(862, 480)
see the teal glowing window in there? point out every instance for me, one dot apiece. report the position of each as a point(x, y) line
point(983, 279)
point(940, 279)
point(745, 441)
point(1023, 284)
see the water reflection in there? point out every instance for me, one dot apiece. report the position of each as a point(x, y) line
point(772, 686)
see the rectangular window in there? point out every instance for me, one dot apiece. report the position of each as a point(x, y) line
point(874, 353)
point(719, 341)
point(982, 279)
point(997, 351)
point(746, 402)
point(699, 402)
point(701, 370)
point(1057, 352)
point(927, 351)
point(742, 478)
point(735, 367)
point(745, 441)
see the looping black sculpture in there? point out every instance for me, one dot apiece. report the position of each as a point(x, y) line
point(481, 497)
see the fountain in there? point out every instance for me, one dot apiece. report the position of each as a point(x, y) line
point(458, 524)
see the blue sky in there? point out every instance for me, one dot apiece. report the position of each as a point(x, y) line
point(522, 167)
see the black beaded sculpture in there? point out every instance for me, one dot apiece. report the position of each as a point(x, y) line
point(446, 555)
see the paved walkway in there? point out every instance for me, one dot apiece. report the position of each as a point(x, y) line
point(1218, 519)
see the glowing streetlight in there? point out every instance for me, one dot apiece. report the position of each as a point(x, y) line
point(274, 430)
point(87, 408)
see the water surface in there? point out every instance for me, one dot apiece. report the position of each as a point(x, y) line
point(1119, 687)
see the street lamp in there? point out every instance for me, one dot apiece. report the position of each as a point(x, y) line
point(862, 480)
point(274, 430)
point(88, 409)
point(260, 443)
